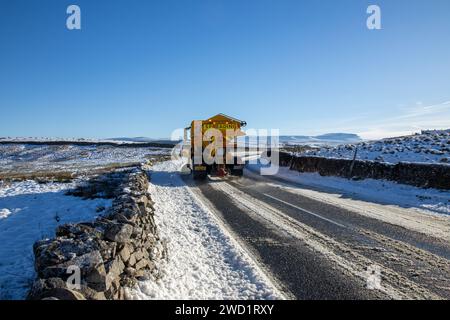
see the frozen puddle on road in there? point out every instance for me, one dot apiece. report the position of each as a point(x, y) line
point(204, 261)
point(29, 212)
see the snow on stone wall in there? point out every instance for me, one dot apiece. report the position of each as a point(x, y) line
point(111, 253)
point(416, 174)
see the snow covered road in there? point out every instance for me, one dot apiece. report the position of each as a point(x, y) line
point(422, 210)
point(205, 262)
point(320, 245)
point(261, 238)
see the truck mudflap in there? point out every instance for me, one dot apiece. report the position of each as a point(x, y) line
point(237, 170)
point(199, 171)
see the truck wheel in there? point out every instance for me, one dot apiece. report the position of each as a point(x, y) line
point(199, 175)
point(237, 172)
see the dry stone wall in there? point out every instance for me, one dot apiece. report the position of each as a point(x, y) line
point(111, 253)
point(416, 174)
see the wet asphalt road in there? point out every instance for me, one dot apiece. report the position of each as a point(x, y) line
point(303, 273)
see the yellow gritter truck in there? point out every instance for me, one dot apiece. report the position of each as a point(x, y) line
point(213, 146)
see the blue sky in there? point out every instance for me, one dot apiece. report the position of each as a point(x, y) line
point(145, 68)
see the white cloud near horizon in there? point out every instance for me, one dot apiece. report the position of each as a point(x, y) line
point(407, 121)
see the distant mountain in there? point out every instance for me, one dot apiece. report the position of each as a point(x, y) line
point(339, 137)
point(331, 139)
point(324, 139)
point(142, 139)
point(429, 146)
point(135, 139)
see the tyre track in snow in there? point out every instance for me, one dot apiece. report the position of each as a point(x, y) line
point(422, 259)
point(204, 262)
point(335, 254)
point(302, 272)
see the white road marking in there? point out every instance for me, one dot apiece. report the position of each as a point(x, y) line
point(240, 184)
point(307, 211)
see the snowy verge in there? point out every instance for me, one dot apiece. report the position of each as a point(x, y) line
point(204, 261)
point(386, 192)
point(29, 212)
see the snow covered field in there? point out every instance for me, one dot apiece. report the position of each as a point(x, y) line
point(115, 141)
point(204, 261)
point(29, 212)
point(29, 158)
point(427, 147)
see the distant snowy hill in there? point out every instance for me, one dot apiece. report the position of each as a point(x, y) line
point(135, 139)
point(432, 146)
point(142, 139)
point(139, 141)
point(324, 139)
point(329, 139)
